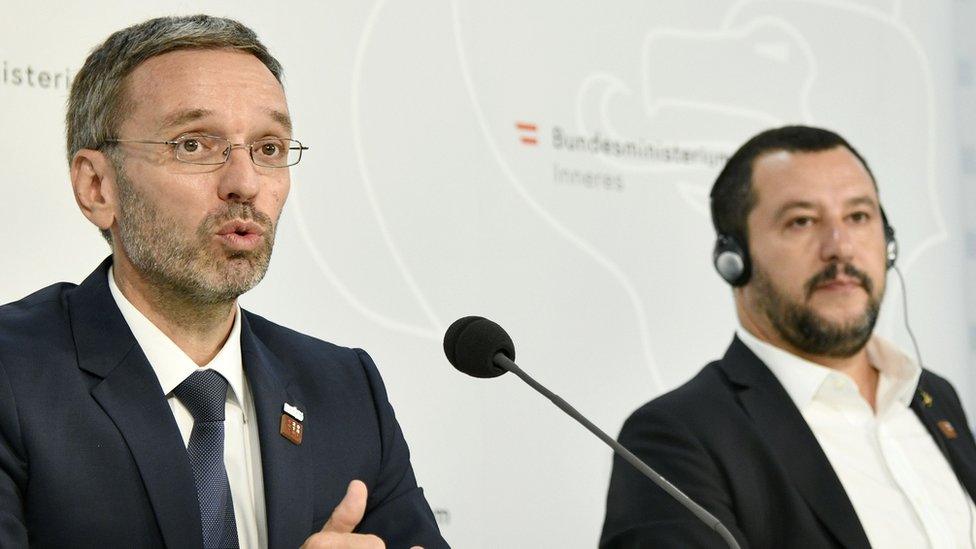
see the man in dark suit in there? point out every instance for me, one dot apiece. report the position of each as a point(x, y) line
point(143, 407)
point(811, 431)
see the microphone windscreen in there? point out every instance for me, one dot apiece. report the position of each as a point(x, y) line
point(471, 344)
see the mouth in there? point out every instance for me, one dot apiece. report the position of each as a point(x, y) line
point(241, 228)
point(836, 278)
point(240, 234)
point(839, 283)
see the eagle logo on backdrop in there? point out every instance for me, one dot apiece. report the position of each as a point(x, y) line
point(653, 121)
point(548, 165)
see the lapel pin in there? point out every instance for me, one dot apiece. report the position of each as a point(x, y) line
point(926, 398)
point(293, 411)
point(291, 424)
point(947, 429)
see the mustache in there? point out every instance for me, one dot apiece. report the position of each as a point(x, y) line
point(231, 212)
point(830, 273)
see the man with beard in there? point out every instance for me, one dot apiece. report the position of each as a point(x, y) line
point(810, 431)
point(143, 407)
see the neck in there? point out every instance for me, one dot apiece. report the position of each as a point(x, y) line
point(198, 329)
point(857, 366)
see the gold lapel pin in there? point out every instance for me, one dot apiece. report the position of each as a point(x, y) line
point(926, 398)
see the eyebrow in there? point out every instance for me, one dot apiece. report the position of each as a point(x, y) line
point(805, 204)
point(179, 118)
point(862, 201)
point(281, 118)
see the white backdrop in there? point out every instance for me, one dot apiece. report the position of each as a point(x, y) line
point(424, 198)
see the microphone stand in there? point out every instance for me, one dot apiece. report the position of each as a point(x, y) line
point(709, 519)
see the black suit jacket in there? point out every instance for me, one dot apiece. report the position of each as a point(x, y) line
point(734, 441)
point(91, 456)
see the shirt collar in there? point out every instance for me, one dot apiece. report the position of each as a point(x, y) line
point(168, 361)
point(899, 373)
point(803, 379)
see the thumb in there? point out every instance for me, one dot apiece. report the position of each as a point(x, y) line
point(346, 516)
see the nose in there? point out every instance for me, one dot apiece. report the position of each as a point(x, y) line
point(240, 180)
point(836, 245)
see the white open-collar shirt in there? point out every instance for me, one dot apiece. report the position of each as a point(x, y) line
point(902, 487)
point(242, 450)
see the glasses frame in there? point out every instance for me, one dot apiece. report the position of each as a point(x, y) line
point(231, 146)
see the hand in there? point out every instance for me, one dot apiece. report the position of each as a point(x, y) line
point(337, 532)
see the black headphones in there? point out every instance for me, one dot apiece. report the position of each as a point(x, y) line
point(731, 257)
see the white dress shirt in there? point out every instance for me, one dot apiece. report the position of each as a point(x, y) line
point(242, 451)
point(901, 485)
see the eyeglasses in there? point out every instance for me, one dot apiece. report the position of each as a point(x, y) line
point(210, 150)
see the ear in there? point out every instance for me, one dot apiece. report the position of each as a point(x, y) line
point(93, 179)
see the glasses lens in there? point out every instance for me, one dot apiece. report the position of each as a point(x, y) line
point(276, 153)
point(202, 149)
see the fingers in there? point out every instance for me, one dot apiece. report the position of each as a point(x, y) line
point(337, 532)
point(346, 516)
point(332, 540)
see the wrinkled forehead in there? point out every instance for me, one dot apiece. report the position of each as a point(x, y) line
point(187, 86)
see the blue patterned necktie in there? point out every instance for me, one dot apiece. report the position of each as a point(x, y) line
point(204, 393)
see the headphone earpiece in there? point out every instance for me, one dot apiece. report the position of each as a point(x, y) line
point(891, 245)
point(731, 260)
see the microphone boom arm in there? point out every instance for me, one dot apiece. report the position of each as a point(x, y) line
point(507, 364)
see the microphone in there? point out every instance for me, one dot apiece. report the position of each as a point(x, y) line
point(471, 344)
point(481, 348)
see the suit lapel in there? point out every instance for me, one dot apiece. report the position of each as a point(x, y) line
point(788, 435)
point(954, 450)
point(287, 498)
point(130, 395)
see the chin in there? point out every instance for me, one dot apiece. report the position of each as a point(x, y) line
point(841, 301)
point(830, 306)
point(845, 317)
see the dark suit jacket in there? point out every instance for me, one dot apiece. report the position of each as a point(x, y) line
point(733, 440)
point(91, 456)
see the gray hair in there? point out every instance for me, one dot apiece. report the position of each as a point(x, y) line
point(97, 104)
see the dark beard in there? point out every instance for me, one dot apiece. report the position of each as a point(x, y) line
point(800, 326)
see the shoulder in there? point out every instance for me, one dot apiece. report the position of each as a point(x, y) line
point(40, 303)
point(931, 380)
point(306, 355)
point(281, 338)
point(705, 402)
point(939, 387)
point(34, 317)
point(37, 348)
point(709, 387)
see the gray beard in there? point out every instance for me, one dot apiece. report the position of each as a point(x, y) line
point(188, 267)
